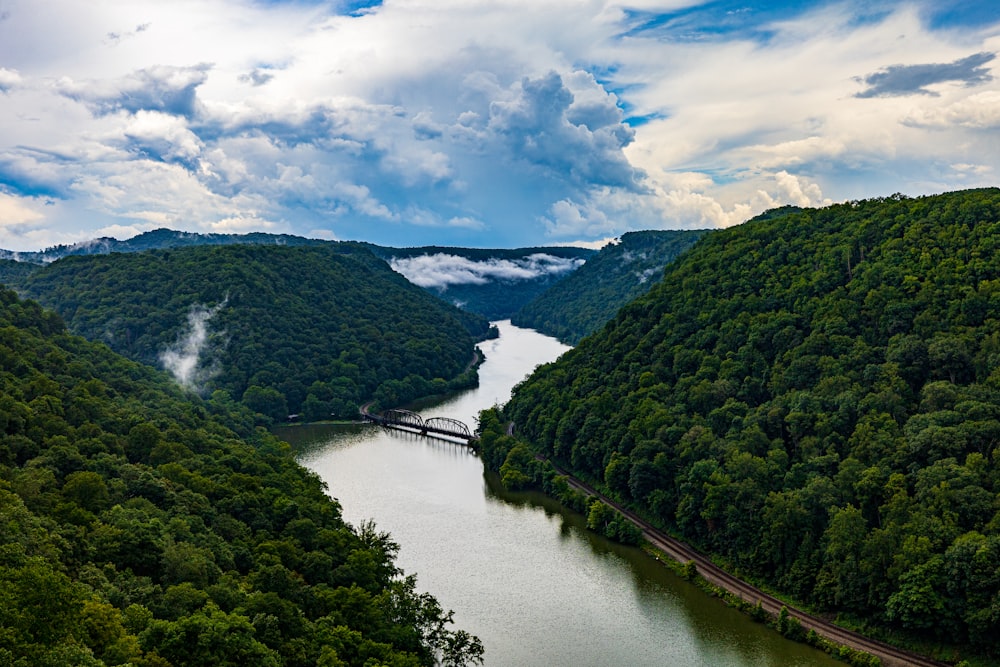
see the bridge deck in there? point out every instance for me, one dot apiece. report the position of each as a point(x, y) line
point(414, 423)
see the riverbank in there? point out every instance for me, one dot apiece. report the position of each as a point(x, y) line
point(749, 597)
point(521, 573)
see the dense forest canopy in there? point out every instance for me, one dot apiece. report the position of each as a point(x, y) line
point(586, 299)
point(141, 525)
point(499, 283)
point(814, 396)
point(287, 330)
point(13, 273)
point(157, 239)
point(494, 283)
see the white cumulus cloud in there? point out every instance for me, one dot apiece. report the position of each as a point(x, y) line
point(481, 123)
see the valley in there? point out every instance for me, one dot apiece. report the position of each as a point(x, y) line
point(808, 399)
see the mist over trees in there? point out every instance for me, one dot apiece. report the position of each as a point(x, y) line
point(588, 298)
point(814, 397)
point(142, 525)
point(294, 330)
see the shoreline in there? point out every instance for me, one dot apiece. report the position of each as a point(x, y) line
point(750, 595)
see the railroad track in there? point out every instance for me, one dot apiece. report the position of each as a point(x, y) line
point(891, 656)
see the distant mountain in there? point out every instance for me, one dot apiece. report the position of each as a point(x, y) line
point(155, 240)
point(586, 299)
point(313, 330)
point(494, 283)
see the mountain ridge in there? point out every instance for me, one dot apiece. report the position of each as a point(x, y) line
point(814, 398)
point(312, 330)
point(589, 297)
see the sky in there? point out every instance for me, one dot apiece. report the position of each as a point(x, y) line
point(501, 123)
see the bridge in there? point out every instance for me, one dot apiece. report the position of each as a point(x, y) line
point(411, 421)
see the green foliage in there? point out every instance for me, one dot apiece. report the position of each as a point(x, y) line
point(790, 626)
point(584, 301)
point(521, 469)
point(159, 239)
point(604, 519)
point(315, 330)
point(814, 397)
point(137, 527)
point(13, 273)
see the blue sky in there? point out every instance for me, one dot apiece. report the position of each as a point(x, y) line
point(484, 124)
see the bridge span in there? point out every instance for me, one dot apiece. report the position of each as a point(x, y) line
point(406, 420)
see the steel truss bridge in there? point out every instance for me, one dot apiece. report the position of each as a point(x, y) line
point(413, 422)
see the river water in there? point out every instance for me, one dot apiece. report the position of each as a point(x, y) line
point(519, 572)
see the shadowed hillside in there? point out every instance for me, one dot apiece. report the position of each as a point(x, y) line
point(313, 330)
point(590, 296)
point(140, 525)
point(815, 398)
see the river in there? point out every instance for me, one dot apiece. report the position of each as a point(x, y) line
point(520, 572)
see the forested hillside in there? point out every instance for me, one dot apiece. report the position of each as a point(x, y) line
point(815, 398)
point(157, 239)
point(491, 283)
point(590, 296)
point(13, 273)
point(300, 330)
point(137, 527)
point(494, 283)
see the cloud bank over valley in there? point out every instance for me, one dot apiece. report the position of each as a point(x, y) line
point(441, 270)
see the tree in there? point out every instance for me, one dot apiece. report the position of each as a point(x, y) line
point(209, 638)
point(266, 401)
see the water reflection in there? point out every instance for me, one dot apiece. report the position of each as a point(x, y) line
point(519, 571)
point(658, 591)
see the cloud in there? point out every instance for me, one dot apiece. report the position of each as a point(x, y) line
point(568, 219)
point(795, 152)
point(162, 136)
point(8, 79)
point(541, 125)
point(979, 112)
point(258, 76)
point(973, 170)
point(441, 270)
point(166, 195)
point(240, 225)
point(481, 123)
point(122, 232)
point(116, 37)
point(184, 358)
point(598, 243)
point(324, 234)
point(17, 212)
point(899, 80)
point(24, 223)
point(166, 88)
point(466, 223)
